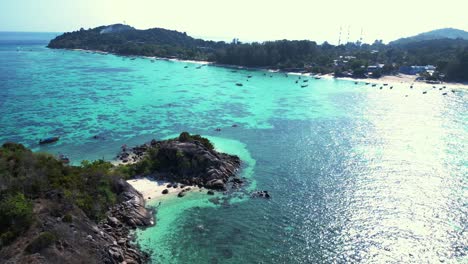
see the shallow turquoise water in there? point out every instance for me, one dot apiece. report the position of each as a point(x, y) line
point(357, 174)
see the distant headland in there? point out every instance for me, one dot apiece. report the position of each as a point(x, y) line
point(436, 58)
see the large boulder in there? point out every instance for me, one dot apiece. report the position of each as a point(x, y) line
point(192, 160)
point(131, 207)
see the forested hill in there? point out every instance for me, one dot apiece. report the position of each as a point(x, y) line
point(443, 33)
point(351, 59)
point(126, 40)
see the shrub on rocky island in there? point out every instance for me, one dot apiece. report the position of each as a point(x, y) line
point(41, 242)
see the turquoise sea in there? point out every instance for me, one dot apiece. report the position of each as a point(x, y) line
point(356, 174)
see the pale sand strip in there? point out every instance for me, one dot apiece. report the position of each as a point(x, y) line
point(407, 80)
point(389, 79)
point(146, 57)
point(152, 189)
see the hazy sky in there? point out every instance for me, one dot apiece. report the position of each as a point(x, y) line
point(248, 20)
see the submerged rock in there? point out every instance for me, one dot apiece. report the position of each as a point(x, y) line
point(261, 194)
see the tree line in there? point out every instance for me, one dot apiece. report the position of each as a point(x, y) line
point(448, 55)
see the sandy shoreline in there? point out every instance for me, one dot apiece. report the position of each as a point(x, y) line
point(403, 79)
point(388, 79)
point(145, 57)
point(152, 189)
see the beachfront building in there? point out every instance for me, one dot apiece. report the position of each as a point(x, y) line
point(373, 68)
point(413, 70)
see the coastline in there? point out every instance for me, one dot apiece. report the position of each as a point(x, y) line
point(145, 57)
point(386, 79)
point(403, 79)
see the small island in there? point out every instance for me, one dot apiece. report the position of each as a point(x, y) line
point(189, 160)
point(58, 213)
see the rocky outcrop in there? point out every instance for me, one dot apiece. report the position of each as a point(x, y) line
point(260, 194)
point(131, 207)
point(187, 161)
point(74, 238)
point(129, 213)
point(116, 28)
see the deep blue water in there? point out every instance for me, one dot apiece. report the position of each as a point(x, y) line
point(357, 174)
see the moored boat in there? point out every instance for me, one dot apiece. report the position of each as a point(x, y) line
point(48, 140)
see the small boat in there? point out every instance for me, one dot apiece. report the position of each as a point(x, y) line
point(444, 94)
point(250, 76)
point(64, 159)
point(302, 86)
point(355, 82)
point(367, 83)
point(185, 67)
point(424, 92)
point(374, 85)
point(318, 78)
point(48, 140)
point(305, 80)
point(132, 59)
point(239, 84)
point(297, 81)
point(385, 84)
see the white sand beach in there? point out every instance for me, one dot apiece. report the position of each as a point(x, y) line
point(152, 189)
point(404, 79)
point(389, 79)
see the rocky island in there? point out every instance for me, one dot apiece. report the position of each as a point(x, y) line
point(187, 159)
point(55, 213)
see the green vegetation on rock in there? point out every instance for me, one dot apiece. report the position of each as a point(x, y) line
point(16, 214)
point(41, 242)
point(36, 188)
point(186, 137)
point(25, 176)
